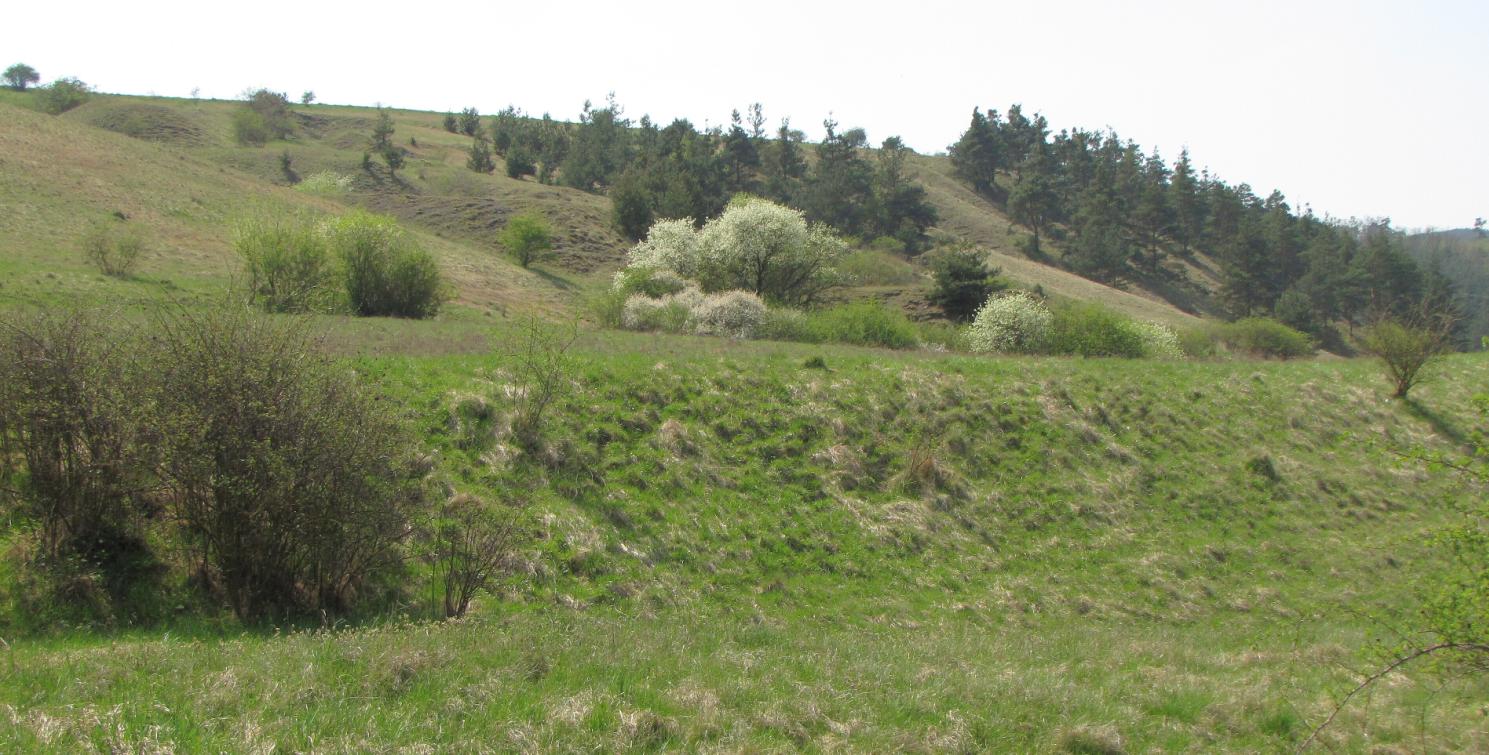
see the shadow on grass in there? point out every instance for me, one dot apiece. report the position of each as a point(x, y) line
point(556, 280)
point(1442, 425)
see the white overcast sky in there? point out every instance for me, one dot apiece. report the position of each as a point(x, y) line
point(1359, 108)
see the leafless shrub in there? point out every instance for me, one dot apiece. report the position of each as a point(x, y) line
point(542, 364)
point(474, 541)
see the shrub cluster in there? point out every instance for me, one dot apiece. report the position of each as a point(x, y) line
point(220, 444)
point(861, 323)
point(1021, 323)
point(1090, 330)
point(1253, 336)
point(359, 262)
point(385, 273)
point(754, 246)
point(62, 95)
point(288, 265)
point(264, 116)
point(735, 314)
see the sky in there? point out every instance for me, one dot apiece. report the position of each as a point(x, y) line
point(1357, 109)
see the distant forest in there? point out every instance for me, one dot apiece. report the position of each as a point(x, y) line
point(1461, 256)
point(1117, 211)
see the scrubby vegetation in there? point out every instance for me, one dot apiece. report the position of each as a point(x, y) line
point(359, 262)
point(62, 95)
point(216, 448)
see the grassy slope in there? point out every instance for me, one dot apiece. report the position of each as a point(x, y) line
point(185, 178)
point(58, 177)
point(735, 553)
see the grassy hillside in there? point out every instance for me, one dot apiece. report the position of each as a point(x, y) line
point(738, 552)
point(172, 166)
point(61, 177)
point(756, 546)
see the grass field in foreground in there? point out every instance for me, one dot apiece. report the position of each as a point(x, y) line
point(900, 552)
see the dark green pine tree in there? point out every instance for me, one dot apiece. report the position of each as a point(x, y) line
point(740, 155)
point(479, 157)
point(1155, 214)
point(1188, 206)
point(631, 205)
point(598, 152)
point(1101, 248)
point(1390, 282)
point(785, 166)
point(1020, 136)
point(1246, 269)
point(962, 282)
point(901, 210)
point(977, 155)
point(840, 188)
point(1280, 233)
point(1034, 201)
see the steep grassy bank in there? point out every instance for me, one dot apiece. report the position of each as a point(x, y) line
point(902, 551)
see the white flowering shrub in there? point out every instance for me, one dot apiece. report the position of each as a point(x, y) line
point(672, 313)
point(1015, 323)
point(325, 184)
point(736, 314)
point(1159, 340)
point(669, 245)
point(755, 246)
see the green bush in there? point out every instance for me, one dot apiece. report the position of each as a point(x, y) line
point(786, 324)
point(1264, 337)
point(249, 128)
point(76, 455)
point(285, 484)
point(527, 237)
point(385, 273)
point(941, 335)
point(288, 477)
point(1405, 349)
point(62, 95)
point(288, 265)
point(1199, 342)
point(862, 323)
point(1090, 330)
point(114, 248)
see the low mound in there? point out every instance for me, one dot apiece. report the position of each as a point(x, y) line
point(156, 123)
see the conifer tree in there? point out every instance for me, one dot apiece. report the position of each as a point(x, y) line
point(977, 155)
